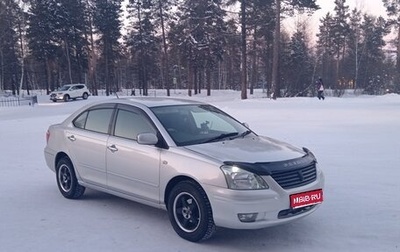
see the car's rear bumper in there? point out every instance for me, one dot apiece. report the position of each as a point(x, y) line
point(49, 156)
point(271, 206)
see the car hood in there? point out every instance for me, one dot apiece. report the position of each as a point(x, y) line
point(255, 149)
point(58, 92)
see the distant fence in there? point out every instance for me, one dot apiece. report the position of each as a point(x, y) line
point(14, 101)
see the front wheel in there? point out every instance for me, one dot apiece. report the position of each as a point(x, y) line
point(66, 98)
point(190, 213)
point(67, 181)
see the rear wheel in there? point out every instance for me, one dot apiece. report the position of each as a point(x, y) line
point(85, 96)
point(190, 212)
point(67, 181)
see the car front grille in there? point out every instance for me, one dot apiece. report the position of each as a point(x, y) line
point(295, 178)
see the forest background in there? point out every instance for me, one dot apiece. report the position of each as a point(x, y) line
point(196, 45)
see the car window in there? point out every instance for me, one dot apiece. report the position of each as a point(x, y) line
point(80, 121)
point(207, 121)
point(129, 124)
point(64, 88)
point(98, 120)
point(196, 124)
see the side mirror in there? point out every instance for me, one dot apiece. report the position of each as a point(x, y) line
point(245, 124)
point(147, 139)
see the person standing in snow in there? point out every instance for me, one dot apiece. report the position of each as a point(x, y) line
point(320, 87)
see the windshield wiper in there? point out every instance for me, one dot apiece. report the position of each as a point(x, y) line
point(245, 133)
point(220, 137)
point(242, 135)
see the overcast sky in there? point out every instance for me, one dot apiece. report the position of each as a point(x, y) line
point(373, 7)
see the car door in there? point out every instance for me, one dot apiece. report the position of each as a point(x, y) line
point(74, 91)
point(87, 141)
point(133, 168)
point(78, 90)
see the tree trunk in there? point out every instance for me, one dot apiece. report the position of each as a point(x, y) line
point(48, 75)
point(208, 80)
point(398, 53)
point(244, 52)
point(254, 69)
point(190, 77)
point(1, 70)
point(21, 41)
point(275, 59)
point(68, 60)
point(165, 61)
point(107, 73)
point(92, 61)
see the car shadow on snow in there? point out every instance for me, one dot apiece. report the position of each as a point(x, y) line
point(92, 198)
point(278, 237)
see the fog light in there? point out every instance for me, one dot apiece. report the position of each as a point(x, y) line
point(248, 217)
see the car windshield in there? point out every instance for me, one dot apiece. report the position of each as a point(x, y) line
point(197, 124)
point(64, 88)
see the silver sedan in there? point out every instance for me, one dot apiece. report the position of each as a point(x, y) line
point(190, 158)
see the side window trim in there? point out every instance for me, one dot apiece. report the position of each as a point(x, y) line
point(101, 106)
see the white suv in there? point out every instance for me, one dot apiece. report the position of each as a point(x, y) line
point(70, 91)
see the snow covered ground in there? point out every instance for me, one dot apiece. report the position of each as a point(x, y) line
point(356, 141)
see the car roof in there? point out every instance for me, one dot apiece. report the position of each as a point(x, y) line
point(74, 84)
point(151, 102)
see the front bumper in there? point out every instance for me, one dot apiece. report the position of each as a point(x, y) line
point(54, 97)
point(271, 206)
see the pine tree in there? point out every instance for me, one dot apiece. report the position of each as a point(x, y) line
point(393, 11)
point(42, 39)
point(290, 6)
point(261, 23)
point(71, 25)
point(243, 27)
point(144, 45)
point(108, 24)
point(164, 11)
point(299, 64)
point(9, 62)
point(355, 49)
point(372, 68)
point(340, 32)
point(203, 39)
point(326, 50)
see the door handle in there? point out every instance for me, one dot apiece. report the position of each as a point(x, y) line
point(72, 138)
point(112, 148)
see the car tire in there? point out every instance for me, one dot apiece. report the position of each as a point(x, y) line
point(190, 212)
point(85, 96)
point(55, 100)
point(67, 181)
point(66, 98)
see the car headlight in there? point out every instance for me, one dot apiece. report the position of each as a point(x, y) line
point(239, 179)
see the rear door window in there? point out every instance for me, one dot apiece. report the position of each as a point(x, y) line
point(97, 120)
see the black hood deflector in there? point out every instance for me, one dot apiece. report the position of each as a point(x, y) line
point(267, 168)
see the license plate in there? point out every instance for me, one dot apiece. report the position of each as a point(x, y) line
point(306, 199)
